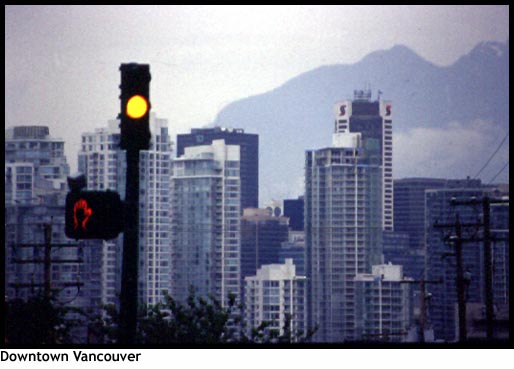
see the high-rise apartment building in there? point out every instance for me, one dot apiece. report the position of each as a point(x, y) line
point(206, 224)
point(75, 271)
point(249, 151)
point(343, 225)
point(104, 165)
point(34, 163)
point(373, 120)
point(276, 295)
point(35, 191)
point(383, 309)
point(501, 257)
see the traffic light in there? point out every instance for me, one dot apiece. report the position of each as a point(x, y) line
point(93, 215)
point(135, 106)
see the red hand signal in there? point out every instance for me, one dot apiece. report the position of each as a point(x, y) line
point(86, 212)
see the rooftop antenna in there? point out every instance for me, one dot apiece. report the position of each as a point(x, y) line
point(378, 94)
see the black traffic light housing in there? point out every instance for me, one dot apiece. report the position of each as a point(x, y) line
point(135, 106)
point(93, 215)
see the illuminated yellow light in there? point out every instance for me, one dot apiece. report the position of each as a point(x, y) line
point(137, 107)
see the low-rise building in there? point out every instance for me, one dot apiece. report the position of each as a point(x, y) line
point(276, 295)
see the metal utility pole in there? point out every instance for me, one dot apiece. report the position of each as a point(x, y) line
point(457, 242)
point(47, 262)
point(488, 262)
point(422, 304)
point(459, 280)
point(488, 277)
point(461, 299)
point(47, 229)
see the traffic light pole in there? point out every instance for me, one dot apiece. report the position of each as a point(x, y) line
point(134, 136)
point(129, 277)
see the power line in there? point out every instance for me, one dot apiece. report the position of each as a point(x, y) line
point(497, 174)
point(492, 156)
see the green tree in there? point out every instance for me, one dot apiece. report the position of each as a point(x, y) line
point(198, 321)
point(37, 320)
point(103, 328)
point(263, 334)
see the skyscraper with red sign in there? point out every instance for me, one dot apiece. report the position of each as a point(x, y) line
point(374, 120)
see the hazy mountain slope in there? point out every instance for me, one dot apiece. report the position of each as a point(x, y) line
point(427, 100)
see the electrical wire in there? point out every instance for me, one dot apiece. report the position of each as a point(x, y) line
point(497, 174)
point(492, 156)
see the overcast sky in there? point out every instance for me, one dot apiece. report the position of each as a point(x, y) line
point(62, 62)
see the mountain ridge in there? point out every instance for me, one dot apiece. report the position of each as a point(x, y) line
point(297, 115)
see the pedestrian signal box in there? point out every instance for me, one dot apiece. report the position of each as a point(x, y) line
point(93, 215)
